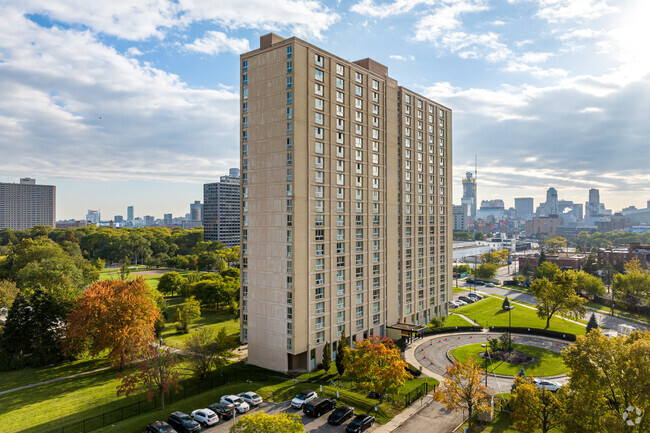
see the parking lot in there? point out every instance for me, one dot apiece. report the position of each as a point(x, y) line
point(311, 424)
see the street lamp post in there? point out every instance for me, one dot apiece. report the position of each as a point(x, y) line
point(510, 328)
point(486, 363)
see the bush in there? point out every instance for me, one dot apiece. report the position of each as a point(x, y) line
point(449, 329)
point(415, 372)
point(536, 331)
point(438, 321)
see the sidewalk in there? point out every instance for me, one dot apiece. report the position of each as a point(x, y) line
point(404, 416)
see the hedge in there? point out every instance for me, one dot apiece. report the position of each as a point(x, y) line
point(448, 329)
point(535, 331)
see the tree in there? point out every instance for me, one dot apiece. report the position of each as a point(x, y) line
point(376, 364)
point(462, 389)
point(546, 270)
point(114, 315)
point(478, 236)
point(633, 287)
point(606, 376)
point(124, 270)
point(589, 284)
point(593, 323)
point(327, 357)
point(462, 236)
point(206, 351)
point(170, 283)
point(487, 270)
point(542, 257)
point(155, 374)
point(555, 245)
point(590, 265)
point(187, 314)
point(8, 292)
point(558, 295)
point(340, 354)
point(462, 269)
point(534, 408)
point(261, 422)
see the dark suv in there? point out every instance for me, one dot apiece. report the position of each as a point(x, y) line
point(319, 406)
point(224, 410)
point(183, 423)
point(159, 427)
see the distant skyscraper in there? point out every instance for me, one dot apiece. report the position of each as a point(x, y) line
point(94, 216)
point(460, 218)
point(148, 220)
point(524, 207)
point(167, 219)
point(233, 172)
point(469, 193)
point(25, 205)
point(196, 211)
point(551, 201)
point(593, 205)
point(129, 214)
point(118, 219)
point(221, 205)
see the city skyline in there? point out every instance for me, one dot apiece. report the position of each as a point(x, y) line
point(150, 113)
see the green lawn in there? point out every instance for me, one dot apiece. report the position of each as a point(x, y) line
point(504, 424)
point(28, 376)
point(114, 273)
point(456, 320)
point(489, 311)
point(459, 289)
point(209, 319)
point(548, 363)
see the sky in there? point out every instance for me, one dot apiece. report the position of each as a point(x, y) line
point(135, 102)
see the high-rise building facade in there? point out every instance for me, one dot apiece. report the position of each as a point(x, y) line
point(25, 205)
point(346, 212)
point(593, 205)
point(221, 210)
point(94, 216)
point(129, 214)
point(460, 218)
point(524, 207)
point(469, 193)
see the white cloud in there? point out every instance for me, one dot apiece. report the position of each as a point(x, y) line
point(304, 18)
point(370, 8)
point(80, 109)
point(579, 34)
point(214, 42)
point(402, 58)
point(133, 52)
point(498, 23)
point(556, 11)
point(592, 110)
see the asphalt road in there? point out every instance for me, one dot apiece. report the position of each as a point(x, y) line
point(311, 424)
point(433, 418)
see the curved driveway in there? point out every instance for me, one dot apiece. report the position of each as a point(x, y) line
point(431, 353)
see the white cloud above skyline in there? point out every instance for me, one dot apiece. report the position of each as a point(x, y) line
point(546, 92)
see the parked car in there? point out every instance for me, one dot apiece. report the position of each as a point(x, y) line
point(489, 284)
point(183, 423)
point(547, 385)
point(318, 406)
point(340, 415)
point(205, 417)
point(239, 404)
point(454, 304)
point(469, 281)
point(306, 396)
point(223, 410)
point(159, 427)
point(251, 398)
point(460, 303)
point(360, 423)
point(480, 283)
point(467, 299)
point(475, 296)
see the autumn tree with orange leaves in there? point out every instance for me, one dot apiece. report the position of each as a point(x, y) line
point(375, 364)
point(156, 373)
point(114, 315)
point(462, 389)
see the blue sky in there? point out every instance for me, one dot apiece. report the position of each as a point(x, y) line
point(135, 101)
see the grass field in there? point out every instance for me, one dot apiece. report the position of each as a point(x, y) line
point(489, 311)
point(459, 289)
point(209, 319)
point(548, 363)
point(456, 320)
point(502, 424)
point(114, 274)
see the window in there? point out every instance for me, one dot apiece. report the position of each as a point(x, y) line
point(289, 312)
point(340, 262)
point(289, 66)
point(318, 104)
point(340, 111)
point(340, 152)
point(319, 221)
point(358, 103)
point(320, 206)
point(319, 264)
point(339, 83)
point(320, 323)
point(340, 290)
point(318, 89)
point(289, 190)
point(340, 248)
point(359, 311)
point(319, 235)
point(289, 142)
point(319, 147)
point(340, 303)
point(318, 75)
point(359, 298)
point(359, 324)
point(289, 174)
point(289, 51)
point(319, 249)
point(340, 275)
point(320, 278)
point(289, 158)
point(340, 220)
point(318, 118)
point(245, 107)
point(340, 317)
point(340, 165)
point(358, 90)
point(359, 220)
point(288, 127)
point(318, 132)
point(289, 80)
point(318, 60)
point(320, 307)
point(319, 191)
point(244, 65)
point(340, 179)
point(289, 113)
point(340, 97)
point(245, 96)
point(245, 79)
point(339, 69)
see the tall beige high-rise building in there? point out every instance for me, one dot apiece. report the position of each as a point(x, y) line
point(25, 205)
point(346, 211)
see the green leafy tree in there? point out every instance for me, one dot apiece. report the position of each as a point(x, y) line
point(190, 311)
point(376, 365)
point(340, 354)
point(590, 265)
point(547, 270)
point(593, 323)
point(8, 292)
point(462, 236)
point(206, 350)
point(170, 283)
point(606, 376)
point(124, 270)
point(487, 270)
point(590, 284)
point(558, 296)
point(542, 257)
point(461, 269)
point(555, 245)
point(534, 408)
point(478, 236)
point(438, 321)
point(327, 357)
point(633, 287)
point(260, 422)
